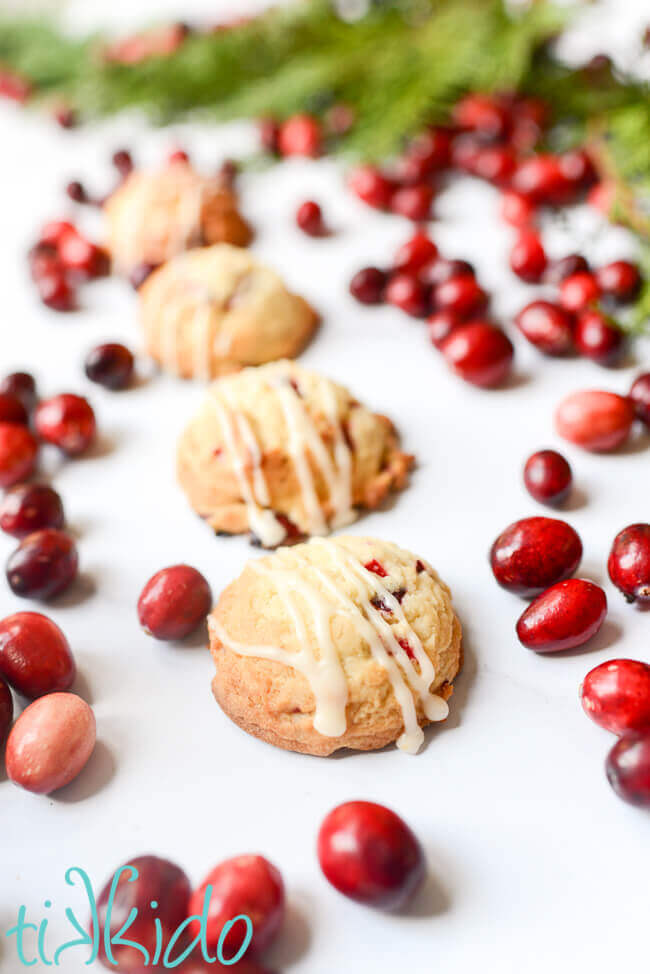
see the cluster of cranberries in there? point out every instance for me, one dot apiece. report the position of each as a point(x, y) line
point(303, 134)
point(61, 260)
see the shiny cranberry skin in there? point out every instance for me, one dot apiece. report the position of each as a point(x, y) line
point(83, 258)
point(35, 657)
point(158, 881)
point(123, 161)
point(406, 292)
point(369, 854)
point(595, 419)
point(300, 135)
point(110, 365)
point(640, 396)
point(30, 507)
point(628, 769)
point(140, 273)
point(413, 202)
point(620, 280)
point(22, 386)
point(438, 271)
point(462, 294)
point(67, 421)
point(528, 258)
point(54, 231)
point(18, 451)
point(483, 114)
point(269, 132)
point(371, 186)
point(559, 270)
point(416, 252)
point(309, 218)
point(616, 695)
point(598, 337)
point(566, 615)
point(432, 149)
point(44, 262)
point(629, 563)
point(248, 885)
point(368, 285)
point(56, 292)
point(578, 169)
point(535, 553)
point(174, 602)
point(547, 326)
point(43, 565)
point(542, 180)
point(494, 163)
point(441, 324)
point(479, 353)
point(517, 210)
point(12, 410)
point(578, 291)
point(547, 477)
point(408, 170)
point(464, 152)
point(6, 710)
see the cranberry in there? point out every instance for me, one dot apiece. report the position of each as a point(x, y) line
point(66, 117)
point(480, 353)
point(620, 280)
point(141, 882)
point(30, 507)
point(628, 769)
point(495, 164)
point(248, 885)
point(405, 291)
point(416, 252)
point(441, 324)
point(517, 210)
point(547, 326)
point(12, 410)
point(629, 563)
point(44, 262)
point(67, 421)
point(371, 186)
point(578, 291)
point(408, 170)
point(110, 365)
point(35, 657)
point(559, 270)
point(535, 553)
point(56, 292)
point(483, 114)
point(339, 119)
point(616, 695)
point(369, 853)
point(14, 87)
point(640, 396)
point(603, 197)
point(566, 615)
point(269, 133)
point(178, 156)
point(43, 565)
point(547, 477)
point(376, 568)
point(432, 149)
point(461, 294)
point(368, 285)
point(123, 162)
point(18, 450)
point(21, 385)
point(309, 218)
point(300, 135)
point(174, 602)
point(598, 337)
point(76, 191)
point(594, 419)
point(465, 152)
point(438, 271)
point(578, 169)
point(528, 257)
point(6, 710)
point(140, 273)
point(54, 231)
point(413, 202)
point(541, 179)
point(78, 255)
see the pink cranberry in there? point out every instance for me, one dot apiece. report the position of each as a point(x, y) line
point(594, 419)
point(629, 563)
point(174, 602)
point(547, 477)
point(6, 710)
point(517, 210)
point(547, 326)
point(620, 280)
point(437, 271)
point(441, 324)
point(110, 365)
point(300, 135)
point(56, 292)
point(578, 291)
point(598, 337)
point(309, 218)
point(12, 410)
point(415, 253)
point(18, 450)
point(67, 421)
point(535, 553)
point(369, 854)
point(371, 186)
point(479, 353)
point(368, 285)
point(616, 695)
point(559, 270)
point(542, 180)
point(483, 114)
point(43, 565)
point(22, 386)
point(35, 657)
point(461, 294)
point(494, 163)
point(628, 769)
point(566, 615)
point(640, 396)
point(248, 885)
point(413, 202)
point(528, 257)
point(406, 292)
point(50, 743)
point(30, 507)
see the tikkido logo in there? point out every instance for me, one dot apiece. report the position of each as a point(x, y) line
point(31, 938)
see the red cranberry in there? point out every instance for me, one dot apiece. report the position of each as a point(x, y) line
point(441, 324)
point(408, 170)
point(43, 565)
point(465, 150)
point(248, 885)
point(640, 396)
point(620, 280)
point(578, 169)
point(616, 695)
point(528, 257)
point(494, 163)
point(535, 553)
point(54, 231)
point(14, 87)
point(35, 657)
point(66, 117)
point(594, 419)
point(30, 507)
point(438, 271)
point(368, 285)
point(76, 191)
point(123, 162)
point(21, 385)
point(566, 615)
point(82, 257)
point(174, 602)
point(578, 291)
point(140, 273)
point(178, 156)
point(517, 210)
point(547, 326)
point(432, 149)
point(18, 450)
point(371, 186)
point(309, 218)
point(413, 202)
point(483, 114)
point(628, 769)
point(479, 353)
point(629, 563)
point(598, 337)
point(300, 135)
point(559, 270)
point(6, 710)
point(141, 882)
point(110, 365)
point(603, 197)
point(269, 133)
point(406, 292)
point(416, 252)
point(369, 854)
point(56, 292)
point(12, 410)
point(547, 477)
point(542, 180)
point(462, 294)
point(67, 421)
point(44, 262)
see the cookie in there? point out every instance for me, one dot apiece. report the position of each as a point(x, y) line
point(284, 453)
point(211, 311)
point(154, 215)
point(337, 643)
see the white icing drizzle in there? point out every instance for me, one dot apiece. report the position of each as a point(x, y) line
point(202, 339)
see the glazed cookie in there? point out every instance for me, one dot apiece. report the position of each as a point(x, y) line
point(346, 642)
point(213, 310)
point(284, 453)
point(154, 215)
